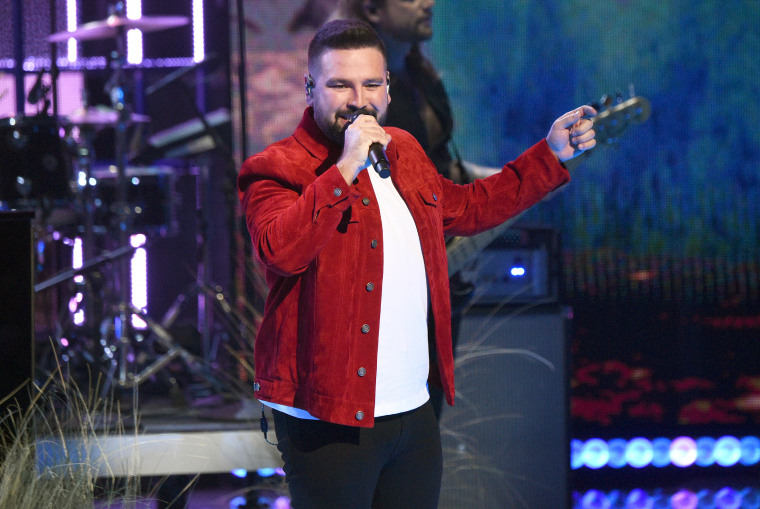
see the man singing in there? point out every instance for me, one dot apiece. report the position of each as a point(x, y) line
point(358, 321)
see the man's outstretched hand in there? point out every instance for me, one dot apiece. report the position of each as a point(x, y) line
point(572, 133)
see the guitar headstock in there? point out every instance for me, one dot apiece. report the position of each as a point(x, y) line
point(614, 116)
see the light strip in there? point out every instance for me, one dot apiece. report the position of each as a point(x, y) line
point(199, 48)
point(682, 452)
point(724, 498)
point(71, 25)
point(75, 303)
point(139, 278)
point(134, 36)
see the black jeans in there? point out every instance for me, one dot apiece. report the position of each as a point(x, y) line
point(395, 465)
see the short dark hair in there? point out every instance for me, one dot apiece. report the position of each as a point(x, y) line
point(344, 34)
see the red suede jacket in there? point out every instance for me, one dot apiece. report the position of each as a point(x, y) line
point(321, 242)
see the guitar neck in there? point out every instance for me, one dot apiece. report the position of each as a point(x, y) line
point(608, 125)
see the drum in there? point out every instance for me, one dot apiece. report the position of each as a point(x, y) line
point(151, 199)
point(35, 170)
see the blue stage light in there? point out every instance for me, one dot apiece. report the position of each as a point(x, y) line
point(727, 451)
point(638, 452)
point(750, 451)
point(517, 271)
point(595, 453)
point(240, 473)
point(617, 453)
point(705, 451)
point(661, 452)
point(638, 499)
point(595, 499)
point(238, 502)
point(750, 498)
point(266, 472)
point(728, 498)
point(576, 458)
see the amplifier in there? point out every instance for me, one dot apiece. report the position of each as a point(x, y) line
point(521, 266)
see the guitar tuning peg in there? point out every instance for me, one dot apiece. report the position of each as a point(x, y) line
point(631, 91)
point(595, 105)
point(619, 96)
point(605, 100)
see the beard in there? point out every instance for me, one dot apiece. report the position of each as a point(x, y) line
point(332, 127)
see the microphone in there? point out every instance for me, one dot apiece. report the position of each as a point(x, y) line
point(36, 93)
point(376, 153)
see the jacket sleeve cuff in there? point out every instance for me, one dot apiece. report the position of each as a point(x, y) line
point(332, 191)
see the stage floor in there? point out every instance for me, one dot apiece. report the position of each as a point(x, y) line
point(168, 440)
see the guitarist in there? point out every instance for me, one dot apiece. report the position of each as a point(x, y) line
point(420, 106)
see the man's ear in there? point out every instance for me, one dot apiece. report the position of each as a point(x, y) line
point(371, 11)
point(309, 87)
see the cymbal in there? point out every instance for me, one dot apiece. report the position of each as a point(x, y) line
point(114, 25)
point(95, 116)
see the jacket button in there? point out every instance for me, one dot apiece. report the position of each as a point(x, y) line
point(359, 415)
point(435, 197)
point(365, 328)
point(256, 386)
point(365, 201)
point(337, 192)
point(361, 372)
point(373, 243)
point(370, 286)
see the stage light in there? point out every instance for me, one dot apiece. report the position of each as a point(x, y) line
point(750, 447)
point(705, 451)
point(266, 472)
point(639, 452)
point(683, 452)
point(638, 499)
point(595, 499)
point(134, 36)
point(728, 450)
point(199, 47)
point(240, 473)
point(661, 452)
point(77, 259)
point(728, 498)
point(750, 498)
point(71, 25)
point(139, 278)
point(595, 453)
point(617, 448)
point(576, 459)
point(517, 271)
point(684, 499)
point(238, 502)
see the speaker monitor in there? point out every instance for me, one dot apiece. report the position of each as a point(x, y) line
point(16, 306)
point(506, 439)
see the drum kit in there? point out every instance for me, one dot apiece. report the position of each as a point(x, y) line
point(47, 165)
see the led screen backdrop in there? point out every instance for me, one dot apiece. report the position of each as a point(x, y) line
point(660, 231)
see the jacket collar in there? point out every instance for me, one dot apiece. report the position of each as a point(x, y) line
point(311, 137)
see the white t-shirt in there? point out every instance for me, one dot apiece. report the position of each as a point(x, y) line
point(402, 357)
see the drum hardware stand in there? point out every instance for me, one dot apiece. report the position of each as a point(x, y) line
point(123, 327)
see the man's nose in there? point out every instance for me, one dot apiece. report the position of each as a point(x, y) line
point(358, 98)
